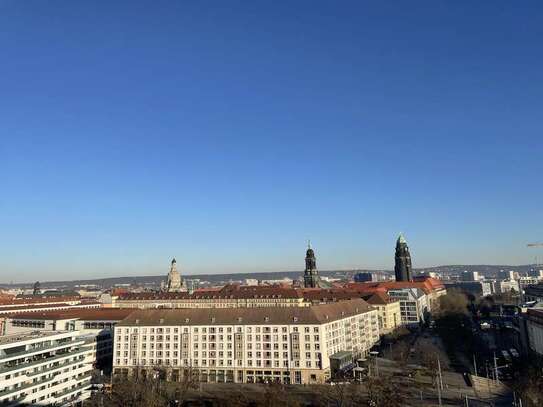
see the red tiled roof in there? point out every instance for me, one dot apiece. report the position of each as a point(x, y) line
point(208, 289)
point(434, 282)
point(5, 296)
point(365, 287)
point(427, 285)
point(377, 298)
point(118, 291)
point(236, 291)
point(226, 292)
point(333, 294)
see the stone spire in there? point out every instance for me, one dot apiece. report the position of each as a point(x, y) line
point(402, 266)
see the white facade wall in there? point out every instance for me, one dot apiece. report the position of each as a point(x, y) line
point(508, 285)
point(44, 368)
point(293, 353)
point(45, 307)
point(413, 304)
point(535, 336)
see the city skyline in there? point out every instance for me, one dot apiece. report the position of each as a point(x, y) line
point(155, 271)
point(228, 136)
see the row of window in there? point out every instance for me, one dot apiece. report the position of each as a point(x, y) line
point(214, 362)
point(249, 329)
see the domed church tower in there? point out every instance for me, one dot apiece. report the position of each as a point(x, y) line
point(175, 282)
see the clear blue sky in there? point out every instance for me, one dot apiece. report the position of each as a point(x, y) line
point(227, 134)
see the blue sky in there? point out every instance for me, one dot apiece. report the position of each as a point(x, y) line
point(229, 133)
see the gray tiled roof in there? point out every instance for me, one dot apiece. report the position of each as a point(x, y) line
point(316, 314)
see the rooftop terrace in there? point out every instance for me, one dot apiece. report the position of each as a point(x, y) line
point(14, 338)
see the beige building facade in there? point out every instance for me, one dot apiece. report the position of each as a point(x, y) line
point(291, 345)
point(389, 311)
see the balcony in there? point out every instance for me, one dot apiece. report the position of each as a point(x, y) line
point(76, 388)
point(28, 385)
point(25, 366)
point(30, 352)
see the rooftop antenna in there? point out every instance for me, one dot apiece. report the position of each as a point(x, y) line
point(308, 243)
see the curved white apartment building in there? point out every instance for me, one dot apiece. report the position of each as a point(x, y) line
point(42, 368)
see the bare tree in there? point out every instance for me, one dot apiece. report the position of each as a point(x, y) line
point(429, 355)
point(139, 389)
point(400, 332)
point(453, 302)
point(183, 384)
point(266, 395)
point(237, 398)
point(430, 364)
point(400, 353)
point(277, 394)
point(340, 395)
point(383, 393)
point(530, 386)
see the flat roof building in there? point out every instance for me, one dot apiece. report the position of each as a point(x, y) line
point(96, 324)
point(44, 368)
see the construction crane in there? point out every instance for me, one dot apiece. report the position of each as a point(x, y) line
point(535, 245)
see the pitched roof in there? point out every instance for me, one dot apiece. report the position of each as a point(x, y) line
point(378, 298)
point(229, 291)
point(323, 295)
point(247, 316)
point(426, 284)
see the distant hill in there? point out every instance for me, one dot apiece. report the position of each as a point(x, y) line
point(488, 270)
point(483, 268)
point(212, 278)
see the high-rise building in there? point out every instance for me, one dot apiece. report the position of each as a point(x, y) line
point(402, 267)
point(311, 275)
point(94, 325)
